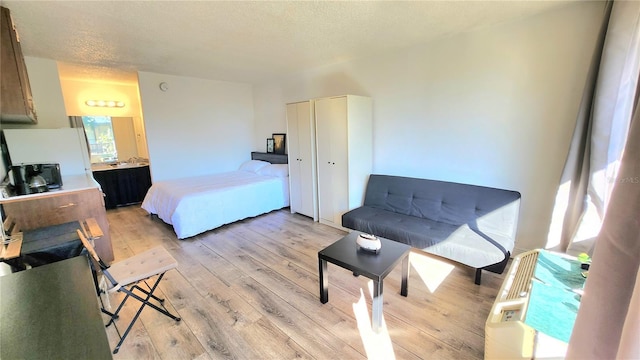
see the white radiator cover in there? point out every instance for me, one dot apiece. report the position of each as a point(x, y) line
point(506, 334)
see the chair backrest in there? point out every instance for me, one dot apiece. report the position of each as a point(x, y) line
point(91, 228)
point(88, 246)
point(10, 226)
point(10, 239)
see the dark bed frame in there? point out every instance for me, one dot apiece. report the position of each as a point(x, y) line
point(270, 157)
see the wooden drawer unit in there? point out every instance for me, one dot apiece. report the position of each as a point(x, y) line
point(59, 208)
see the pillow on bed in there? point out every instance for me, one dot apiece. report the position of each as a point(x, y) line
point(277, 170)
point(253, 165)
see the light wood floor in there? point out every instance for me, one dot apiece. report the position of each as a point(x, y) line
point(249, 290)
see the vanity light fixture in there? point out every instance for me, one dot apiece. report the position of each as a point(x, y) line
point(104, 103)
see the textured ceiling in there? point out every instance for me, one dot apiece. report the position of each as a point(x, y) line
point(239, 41)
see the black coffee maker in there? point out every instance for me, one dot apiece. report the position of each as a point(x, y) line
point(27, 179)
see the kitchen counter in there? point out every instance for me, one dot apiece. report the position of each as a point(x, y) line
point(69, 184)
point(106, 167)
point(79, 198)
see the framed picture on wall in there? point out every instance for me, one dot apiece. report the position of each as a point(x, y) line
point(279, 143)
point(270, 145)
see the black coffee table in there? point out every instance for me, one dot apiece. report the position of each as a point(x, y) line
point(376, 267)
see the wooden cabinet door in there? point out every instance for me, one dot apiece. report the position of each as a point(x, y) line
point(16, 102)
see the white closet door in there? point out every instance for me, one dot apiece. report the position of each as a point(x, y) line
point(306, 161)
point(339, 159)
point(331, 120)
point(301, 140)
point(323, 140)
point(294, 164)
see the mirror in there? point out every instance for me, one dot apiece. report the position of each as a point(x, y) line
point(112, 139)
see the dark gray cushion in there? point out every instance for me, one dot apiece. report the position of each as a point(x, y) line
point(417, 232)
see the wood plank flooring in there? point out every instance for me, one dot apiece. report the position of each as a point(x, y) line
point(249, 290)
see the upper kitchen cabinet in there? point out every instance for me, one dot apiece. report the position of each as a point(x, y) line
point(16, 102)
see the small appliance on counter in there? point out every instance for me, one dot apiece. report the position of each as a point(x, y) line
point(35, 178)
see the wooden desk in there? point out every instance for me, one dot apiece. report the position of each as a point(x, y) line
point(52, 312)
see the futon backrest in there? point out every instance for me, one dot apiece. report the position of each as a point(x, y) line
point(447, 202)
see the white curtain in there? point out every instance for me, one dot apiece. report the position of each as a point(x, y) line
point(608, 322)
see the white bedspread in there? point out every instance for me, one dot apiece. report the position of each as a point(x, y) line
point(195, 205)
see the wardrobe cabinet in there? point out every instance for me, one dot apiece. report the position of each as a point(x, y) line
point(16, 101)
point(302, 159)
point(344, 154)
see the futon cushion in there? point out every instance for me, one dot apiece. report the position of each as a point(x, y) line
point(461, 243)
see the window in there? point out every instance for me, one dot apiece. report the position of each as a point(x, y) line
point(102, 144)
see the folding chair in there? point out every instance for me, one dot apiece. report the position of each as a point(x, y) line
point(125, 275)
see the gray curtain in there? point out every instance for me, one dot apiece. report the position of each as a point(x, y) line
point(570, 200)
point(601, 131)
point(608, 321)
point(607, 326)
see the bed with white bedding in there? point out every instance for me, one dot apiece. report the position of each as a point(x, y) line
point(198, 204)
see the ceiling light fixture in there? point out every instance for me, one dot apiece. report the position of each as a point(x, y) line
point(104, 103)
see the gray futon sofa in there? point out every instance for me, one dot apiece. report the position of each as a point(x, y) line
point(472, 225)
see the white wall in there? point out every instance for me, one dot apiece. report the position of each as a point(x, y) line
point(76, 92)
point(47, 97)
point(197, 126)
point(65, 146)
point(494, 107)
point(270, 115)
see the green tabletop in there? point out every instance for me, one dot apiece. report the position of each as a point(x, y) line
point(52, 312)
